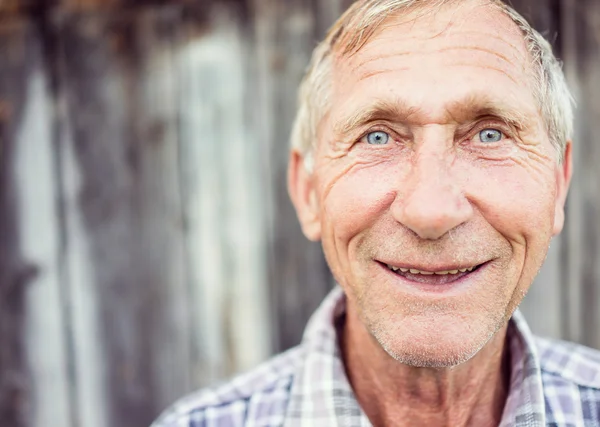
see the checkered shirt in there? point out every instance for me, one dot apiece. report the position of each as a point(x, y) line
point(552, 383)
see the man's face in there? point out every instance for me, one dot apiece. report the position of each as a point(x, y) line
point(434, 158)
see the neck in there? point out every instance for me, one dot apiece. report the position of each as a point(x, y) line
point(471, 394)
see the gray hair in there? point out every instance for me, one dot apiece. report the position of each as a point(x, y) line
point(364, 17)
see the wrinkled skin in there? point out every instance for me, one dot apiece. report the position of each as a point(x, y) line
point(434, 197)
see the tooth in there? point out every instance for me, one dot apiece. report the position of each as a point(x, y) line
point(413, 271)
point(462, 270)
point(470, 269)
point(404, 270)
point(453, 271)
point(391, 267)
point(441, 273)
point(426, 273)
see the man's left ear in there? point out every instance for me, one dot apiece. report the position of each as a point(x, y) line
point(304, 196)
point(563, 180)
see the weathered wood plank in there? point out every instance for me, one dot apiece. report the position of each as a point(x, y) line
point(156, 119)
point(202, 200)
point(40, 230)
point(118, 81)
point(80, 305)
point(17, 273)
point(221, 163)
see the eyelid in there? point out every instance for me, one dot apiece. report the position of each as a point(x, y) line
point(496, 124)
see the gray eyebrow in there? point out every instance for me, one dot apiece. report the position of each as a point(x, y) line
point(398, 111)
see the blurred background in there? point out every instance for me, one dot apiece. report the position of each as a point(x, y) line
point(147, 245)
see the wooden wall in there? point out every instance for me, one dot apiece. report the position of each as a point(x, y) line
point(147, 245)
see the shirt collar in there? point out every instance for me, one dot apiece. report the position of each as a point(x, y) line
point(322, 395)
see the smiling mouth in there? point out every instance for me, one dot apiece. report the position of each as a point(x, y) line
point(435, 277)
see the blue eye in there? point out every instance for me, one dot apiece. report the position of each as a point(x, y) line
point(490, 135)
point(378, 138)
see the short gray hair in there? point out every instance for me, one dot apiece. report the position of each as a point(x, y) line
point(361, 20)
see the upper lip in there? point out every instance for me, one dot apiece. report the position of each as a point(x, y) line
point(432, 267)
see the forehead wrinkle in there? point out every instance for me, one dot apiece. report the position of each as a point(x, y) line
point(375, 73)
point(491, 68)
point(476, 48)
point(411, 16)
point(365, 75)
point(370, 60)
point(520, 50)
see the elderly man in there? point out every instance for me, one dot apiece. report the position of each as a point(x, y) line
point(431, 157)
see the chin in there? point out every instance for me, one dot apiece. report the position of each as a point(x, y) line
point(445, 342)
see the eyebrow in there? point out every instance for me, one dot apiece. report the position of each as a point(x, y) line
point(398, 111)
point(472, 107)
point(477, 106)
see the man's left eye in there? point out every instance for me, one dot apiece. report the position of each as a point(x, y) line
point(378, 138)
point(490, 135)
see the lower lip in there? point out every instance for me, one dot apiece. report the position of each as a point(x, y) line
point(435, 283)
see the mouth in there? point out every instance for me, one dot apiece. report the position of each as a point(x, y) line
point(435, 277)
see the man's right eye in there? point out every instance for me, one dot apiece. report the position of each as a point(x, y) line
point(377, 138)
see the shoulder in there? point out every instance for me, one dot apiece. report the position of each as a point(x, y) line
point(261, 394)
point(572, 362)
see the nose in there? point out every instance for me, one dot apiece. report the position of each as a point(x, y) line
point(431, 202)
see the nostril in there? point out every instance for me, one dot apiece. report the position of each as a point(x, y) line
point(432, 214)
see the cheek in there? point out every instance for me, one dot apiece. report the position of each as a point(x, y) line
point(353, 201)
point(517, 202)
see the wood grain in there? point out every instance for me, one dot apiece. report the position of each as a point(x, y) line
point(18, 45)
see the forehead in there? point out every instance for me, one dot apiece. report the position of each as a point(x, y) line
point(430, 59)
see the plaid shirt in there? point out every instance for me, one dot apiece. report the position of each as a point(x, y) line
point(552, 383)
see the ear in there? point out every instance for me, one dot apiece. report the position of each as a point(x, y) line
point(304, 197)
point(563, 180)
